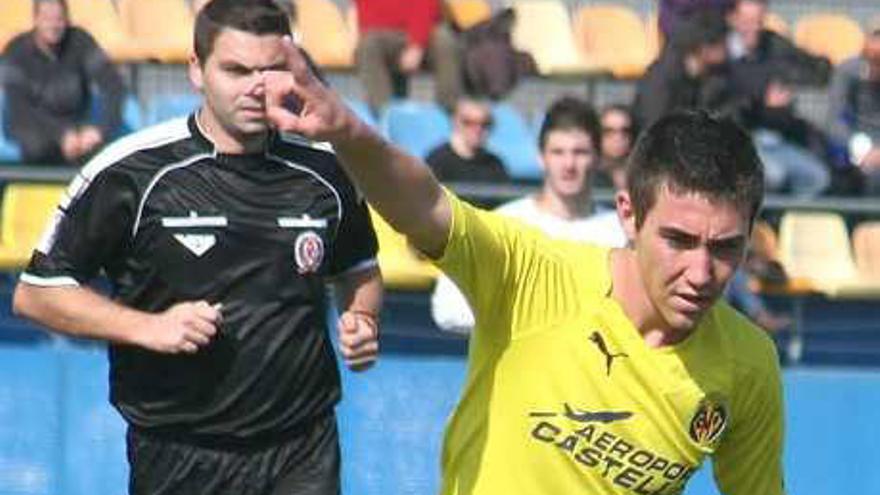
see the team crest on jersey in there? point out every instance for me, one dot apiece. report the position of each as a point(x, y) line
point(309, 251)
point(708, 421)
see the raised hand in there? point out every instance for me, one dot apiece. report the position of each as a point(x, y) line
point(298, 102)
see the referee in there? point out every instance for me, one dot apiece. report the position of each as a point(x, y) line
point(218, 236)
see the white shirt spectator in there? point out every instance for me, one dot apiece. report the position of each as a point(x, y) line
point(450, 309)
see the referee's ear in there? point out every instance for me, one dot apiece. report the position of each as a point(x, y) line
point(196, 73)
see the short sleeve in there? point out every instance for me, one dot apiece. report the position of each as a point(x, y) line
point(355, 245)
point(88, 232)
point(749, 459)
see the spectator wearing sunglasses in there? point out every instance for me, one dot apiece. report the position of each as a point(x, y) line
point(618, 134)
point(464, 157)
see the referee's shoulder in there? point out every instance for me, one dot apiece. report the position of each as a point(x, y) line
point(318, 156)
point(129, 151)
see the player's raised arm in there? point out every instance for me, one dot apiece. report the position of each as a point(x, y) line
point(399, 186)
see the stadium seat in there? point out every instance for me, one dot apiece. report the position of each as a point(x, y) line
point(765, 245)
point(866, 248)
point(816, 246)
point(835, 36)
point(100, 19)
point(543, 29)
point(613, 37)
point(402, 267)
point(324, 33)
point(162, 27)
point(26, 210)
point(467, 13)
point(416, 126)
point(15, 17)
point(514, 142)
point(162, 107)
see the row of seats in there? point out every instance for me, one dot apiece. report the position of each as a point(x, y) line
point(605, 37)
point(129, 30)
point(821, 257)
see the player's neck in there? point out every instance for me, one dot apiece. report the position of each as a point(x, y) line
point(224, 141)
point(629, 291)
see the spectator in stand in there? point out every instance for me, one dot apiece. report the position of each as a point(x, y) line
point(464, 157)
point(396, 40)
point(569, 141)
point(673, 12)
point(618, 135)
point(762, 67)
point(50, 72)
point(854, 108)
point(686, 74)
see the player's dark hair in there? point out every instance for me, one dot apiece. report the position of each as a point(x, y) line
point(568, 113)
point(251, 16)
point(694, 152)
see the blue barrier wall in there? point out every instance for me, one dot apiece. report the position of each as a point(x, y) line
point(58, 435)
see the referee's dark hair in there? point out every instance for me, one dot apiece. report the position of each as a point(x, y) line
point(570, 112)
point(251, 16)
point(691, 151)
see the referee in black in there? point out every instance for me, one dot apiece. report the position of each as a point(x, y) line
point(219, 237)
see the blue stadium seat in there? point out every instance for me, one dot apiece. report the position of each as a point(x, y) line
point(132, 116)
point(416, 126)
point(9, 151)
point(162, 107)
point(513, 141)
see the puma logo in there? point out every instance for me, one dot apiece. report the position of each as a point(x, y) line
point(597, 339)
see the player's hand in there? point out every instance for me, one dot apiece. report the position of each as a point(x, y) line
point(358, 340)
point(90, 137)
point(298, 102)
point(183, 328)
point(71, 148)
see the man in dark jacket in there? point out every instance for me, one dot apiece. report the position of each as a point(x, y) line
point(50, 72)
point(685, 75)
point(763, 65)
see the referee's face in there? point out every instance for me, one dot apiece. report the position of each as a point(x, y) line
point(687, 249)
point(231, 81)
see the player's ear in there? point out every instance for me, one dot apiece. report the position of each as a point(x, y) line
point(626, 213)
point(196, 73)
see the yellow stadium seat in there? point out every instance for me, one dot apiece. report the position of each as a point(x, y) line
point(100, 19)
point(402, 267)
point(27, 209)
point(467, 13)
point(765, 245)
point(15, 16)
point(164, 28)
point(774, 22)
point(543, 29)
point(613, 37)
point(816, 246)
point(324, 33)
point(866, 248)
point(835, 36)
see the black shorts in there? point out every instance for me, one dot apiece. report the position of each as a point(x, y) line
point(305, 464)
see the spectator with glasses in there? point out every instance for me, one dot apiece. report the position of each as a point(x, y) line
point(464, 157)
point(618, 134)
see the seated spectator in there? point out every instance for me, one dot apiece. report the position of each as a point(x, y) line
point(618, 135)
point(569, 142)
point(854, 108)
point(50, 72)
point(685, 75)
point(464, 157)
point(762, 66)
point(396, 40)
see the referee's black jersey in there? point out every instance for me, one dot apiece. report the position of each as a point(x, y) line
point(168, 219)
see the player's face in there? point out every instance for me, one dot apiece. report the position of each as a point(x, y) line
point(231, 81)
point(568, 157)
point(50, 23)
point(687, 250)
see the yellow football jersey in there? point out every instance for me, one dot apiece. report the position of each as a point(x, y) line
point(563, 396)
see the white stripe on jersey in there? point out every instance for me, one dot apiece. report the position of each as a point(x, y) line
point(308, 143)
point(302, 222)
point(318, 176)
point(48, 281)
point(156, 178)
